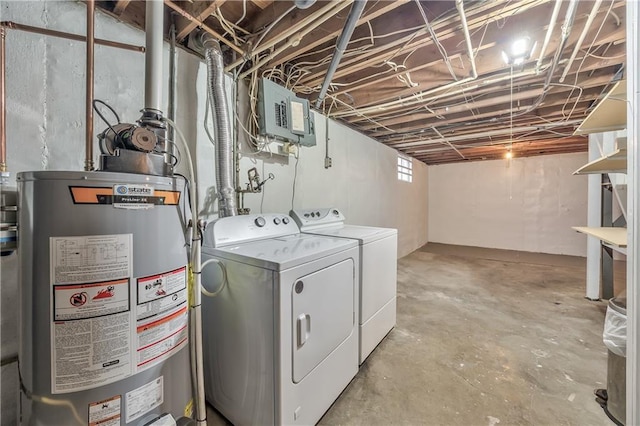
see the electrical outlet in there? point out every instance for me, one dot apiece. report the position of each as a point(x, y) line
point(327, 162)
point(289, 149)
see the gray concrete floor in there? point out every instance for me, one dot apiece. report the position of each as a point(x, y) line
point(483, 337)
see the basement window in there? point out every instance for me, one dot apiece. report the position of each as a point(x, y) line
point(405, 168)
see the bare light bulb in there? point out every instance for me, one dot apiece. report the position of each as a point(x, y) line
point(508, 155)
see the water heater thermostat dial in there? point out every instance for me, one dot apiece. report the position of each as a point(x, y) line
point(260, 222)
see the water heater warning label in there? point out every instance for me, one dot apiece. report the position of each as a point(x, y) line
point(105, 413)
point(92, 319)
point(90, 300)
point(144, 399)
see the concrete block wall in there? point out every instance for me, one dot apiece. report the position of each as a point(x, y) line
point(527, 204)
point(45, 131)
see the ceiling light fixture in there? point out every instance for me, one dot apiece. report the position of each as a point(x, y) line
point(519, 51)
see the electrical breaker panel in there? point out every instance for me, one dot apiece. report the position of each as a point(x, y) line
point(284, 116)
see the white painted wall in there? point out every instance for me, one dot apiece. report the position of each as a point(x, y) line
point(45, 131)
point(529, 204)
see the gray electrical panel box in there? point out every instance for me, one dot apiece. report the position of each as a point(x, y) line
point(284, 116)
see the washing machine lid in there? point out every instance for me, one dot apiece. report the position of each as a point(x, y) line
point(281, 253)
point(330, 221)
point(364, 234)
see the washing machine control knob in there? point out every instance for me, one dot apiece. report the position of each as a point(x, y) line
point(285, 220)
point(335, 212)
point(260, 222)
point(276, 220)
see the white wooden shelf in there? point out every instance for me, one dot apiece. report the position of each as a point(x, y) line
point(610, 114)
point(616, 237)
point(616, 162)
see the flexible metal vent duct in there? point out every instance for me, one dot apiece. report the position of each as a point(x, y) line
point(222, 127)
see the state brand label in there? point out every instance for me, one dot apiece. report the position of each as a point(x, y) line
point(133, 197)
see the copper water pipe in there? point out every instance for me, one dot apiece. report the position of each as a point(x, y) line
point(4, 25)
point(88, 161)
point(43, 31)
point(3, 110)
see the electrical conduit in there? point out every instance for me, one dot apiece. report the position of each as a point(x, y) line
point(341, 46)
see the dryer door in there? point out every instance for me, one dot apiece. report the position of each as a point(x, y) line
point(323, 315)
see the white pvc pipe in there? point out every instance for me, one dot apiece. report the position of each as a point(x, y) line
point(294, 38)
point(314, 20)
point(633, 207)
point(547, 37)
point(154, 32)
point(585, 30)
point(196, 297)
point(467, 37)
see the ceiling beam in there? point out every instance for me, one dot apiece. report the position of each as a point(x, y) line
point(205, 27)
point(200, 16)
point(121, 5)
point(445, 29)
point(332, 30)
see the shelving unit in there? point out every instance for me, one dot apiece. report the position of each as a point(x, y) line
point(609, 115)
point(616, 238)
point(616, 162)
point(612, 234)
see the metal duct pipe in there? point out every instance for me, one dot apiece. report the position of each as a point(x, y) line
point(222, 127)
point(343, 41)
point(583, 34)
point(154, 32)
point(88, 161)
point(173, 85)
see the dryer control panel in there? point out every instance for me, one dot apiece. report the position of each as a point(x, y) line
point(243, 228)
point(317, 218)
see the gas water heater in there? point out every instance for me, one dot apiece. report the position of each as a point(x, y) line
point(104, 299)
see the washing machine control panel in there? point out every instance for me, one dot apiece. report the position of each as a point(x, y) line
point(317, 217)
point(243, 228)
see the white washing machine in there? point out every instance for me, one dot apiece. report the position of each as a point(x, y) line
point(378, 270)
point(281, 338)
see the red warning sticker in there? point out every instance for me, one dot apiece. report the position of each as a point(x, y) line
point(105, 413)
point(82, 301)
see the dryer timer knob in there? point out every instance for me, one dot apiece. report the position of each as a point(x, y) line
point(260, 222)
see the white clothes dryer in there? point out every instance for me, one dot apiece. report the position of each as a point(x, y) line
point(378, 270)
point(281, 336)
